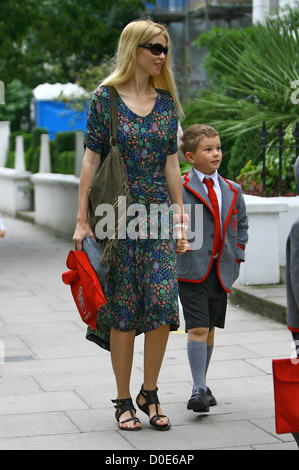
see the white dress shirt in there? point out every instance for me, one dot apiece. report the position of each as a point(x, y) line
point(217, 189)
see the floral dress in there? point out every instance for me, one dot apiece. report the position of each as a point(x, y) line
point(141, 290)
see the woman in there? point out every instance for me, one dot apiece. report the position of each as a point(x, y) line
point(141, 285)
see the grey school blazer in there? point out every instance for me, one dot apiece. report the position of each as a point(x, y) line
point(292, 278)
point(195, 265)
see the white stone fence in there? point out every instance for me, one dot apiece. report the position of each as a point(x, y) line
point(56, 203)
point(16, 185)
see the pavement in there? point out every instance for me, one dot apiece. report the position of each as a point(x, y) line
point(56, 387)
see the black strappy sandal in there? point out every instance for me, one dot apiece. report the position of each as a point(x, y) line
point(122, 405)
point(151, 398)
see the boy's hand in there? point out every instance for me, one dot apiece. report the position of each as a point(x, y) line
point(2, 233)
point(182, 246)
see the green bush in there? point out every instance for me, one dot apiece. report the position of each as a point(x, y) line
point(36, 135)
point(10, 159)
point(65, 141)
point(33, 152)
point(27, 138)
point(250, 177)
point(66, 162)
point(246, 147)
point(63, 153)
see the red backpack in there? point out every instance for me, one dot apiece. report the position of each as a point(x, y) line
point(85, 286)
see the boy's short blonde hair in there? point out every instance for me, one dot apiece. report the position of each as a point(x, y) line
point(191, 137)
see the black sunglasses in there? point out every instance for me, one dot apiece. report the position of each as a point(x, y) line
point(155, 48)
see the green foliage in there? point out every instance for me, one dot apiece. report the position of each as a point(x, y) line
point(15, 109)
point(55, 41)
point(64, 163)
point(250, 176)
point(250, 73)
point(33, 152)
point(185, 167)
point(246, 147)
point(62, 151)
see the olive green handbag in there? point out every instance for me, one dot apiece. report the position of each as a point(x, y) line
point(108, 185)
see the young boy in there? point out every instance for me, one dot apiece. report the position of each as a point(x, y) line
point(206, 273)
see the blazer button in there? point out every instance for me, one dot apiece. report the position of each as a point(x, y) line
point(210, 252)
point(212, 235)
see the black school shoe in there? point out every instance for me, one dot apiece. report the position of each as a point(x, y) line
point(211, 398)
point(199, 401)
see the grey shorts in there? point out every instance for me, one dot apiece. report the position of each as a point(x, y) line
point(204, 303)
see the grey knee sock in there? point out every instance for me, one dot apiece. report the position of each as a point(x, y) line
point(209, 355)
point(197, 356)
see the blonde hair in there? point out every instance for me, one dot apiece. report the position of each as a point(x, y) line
point(137, 32)
point(192, 136)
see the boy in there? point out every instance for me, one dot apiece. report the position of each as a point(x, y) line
point(206, 274)
point(292, 281)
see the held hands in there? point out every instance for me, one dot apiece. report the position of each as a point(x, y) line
point(181, 227)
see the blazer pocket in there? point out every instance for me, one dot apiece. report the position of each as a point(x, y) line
point(236, 270)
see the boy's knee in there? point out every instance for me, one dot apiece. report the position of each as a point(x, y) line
point(198, 334)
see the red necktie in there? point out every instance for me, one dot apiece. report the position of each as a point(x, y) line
point(214, 202)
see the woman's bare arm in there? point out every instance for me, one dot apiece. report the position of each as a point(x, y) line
point(90, 166)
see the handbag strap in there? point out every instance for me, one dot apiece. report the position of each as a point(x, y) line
point(113, 115)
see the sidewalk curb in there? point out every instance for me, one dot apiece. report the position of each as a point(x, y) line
point(262, 305)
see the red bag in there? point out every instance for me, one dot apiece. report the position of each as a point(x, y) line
point(286, 394)
point(85, 286)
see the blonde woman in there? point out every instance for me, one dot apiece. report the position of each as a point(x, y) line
point(141, 285)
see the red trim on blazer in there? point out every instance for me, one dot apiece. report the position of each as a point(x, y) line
point(188, 280)
point(294, 330)
point(212, 212)
point(224, 229)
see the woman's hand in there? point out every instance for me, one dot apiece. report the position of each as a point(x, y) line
point(181, 228)
point(82, 231)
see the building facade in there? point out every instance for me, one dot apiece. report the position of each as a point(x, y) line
point(186, 20)
point(263, 8)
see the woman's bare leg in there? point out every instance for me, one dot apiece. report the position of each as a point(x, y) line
point(122, 349)
point(154, 349)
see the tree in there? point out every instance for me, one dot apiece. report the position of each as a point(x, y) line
point(252, 71)
point(58, 41)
